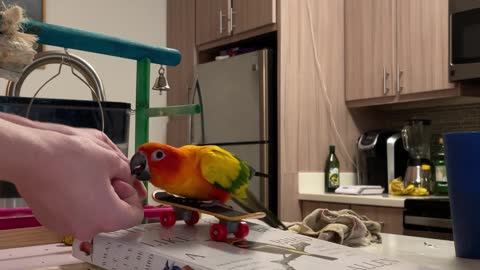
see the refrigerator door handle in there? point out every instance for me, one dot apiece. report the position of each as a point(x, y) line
point(263, 95)
point(264, 182)
point(196, 89)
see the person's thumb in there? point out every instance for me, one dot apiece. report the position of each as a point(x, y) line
point(128, 204)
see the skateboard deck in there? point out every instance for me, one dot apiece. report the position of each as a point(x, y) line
point(217, 210)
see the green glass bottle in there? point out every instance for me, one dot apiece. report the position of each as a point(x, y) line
point(332, 171)
point(441, 184)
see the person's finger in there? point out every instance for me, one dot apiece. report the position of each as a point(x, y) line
point(120, 169)
point(140, 188)
point(128, 210)
point(123, 190)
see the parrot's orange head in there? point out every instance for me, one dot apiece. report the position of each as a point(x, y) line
point(156, 162)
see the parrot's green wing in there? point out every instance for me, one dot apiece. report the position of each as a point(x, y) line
point(222, 169)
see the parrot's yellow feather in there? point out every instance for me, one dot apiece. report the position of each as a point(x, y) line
point(222, 169)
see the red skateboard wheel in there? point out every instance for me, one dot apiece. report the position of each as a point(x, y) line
point(242, 230)
point(218, 232)
point(194, 218)
point(168, 219)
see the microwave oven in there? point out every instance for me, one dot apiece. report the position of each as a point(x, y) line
point(464, 39)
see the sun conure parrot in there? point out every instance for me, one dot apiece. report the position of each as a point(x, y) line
point(199, 172)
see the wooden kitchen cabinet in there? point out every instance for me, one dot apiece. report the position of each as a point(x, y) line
point(218, 19)
point(422, 46)
point(390, 217)
point(251, 14)
point(369, 49)
point(309, 206)
point(406, 38)
point(211, 20)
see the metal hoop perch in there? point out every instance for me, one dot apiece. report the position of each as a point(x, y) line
point(92, 80)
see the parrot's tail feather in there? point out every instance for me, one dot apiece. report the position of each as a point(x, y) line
point(253, 172)
point(260, 174)
point(251, 204)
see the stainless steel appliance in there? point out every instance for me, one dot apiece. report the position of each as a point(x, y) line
point(428, 217)
point(239, 114)
point(464, 39)
point(397, 157)
point(372, 158)
point(416, 135)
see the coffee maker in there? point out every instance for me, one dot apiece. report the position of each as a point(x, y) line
point(416, 135)
point(372, 158)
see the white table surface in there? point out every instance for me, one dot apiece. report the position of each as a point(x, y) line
point(433, 253)
point(35, 257)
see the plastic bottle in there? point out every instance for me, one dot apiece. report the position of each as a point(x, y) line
point(426, 178)
point(332, 171)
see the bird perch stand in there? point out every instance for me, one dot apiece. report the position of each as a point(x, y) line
point(144, 54)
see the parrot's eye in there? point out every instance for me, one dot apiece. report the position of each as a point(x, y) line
point(158, 155)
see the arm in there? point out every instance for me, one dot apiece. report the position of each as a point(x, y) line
point(73, 184)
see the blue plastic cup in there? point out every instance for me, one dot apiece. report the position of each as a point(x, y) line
point(462, 151)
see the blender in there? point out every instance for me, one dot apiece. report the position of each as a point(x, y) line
point(416, 135)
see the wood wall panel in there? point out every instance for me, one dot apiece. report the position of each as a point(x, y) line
point(181, 36)
point(305, 128)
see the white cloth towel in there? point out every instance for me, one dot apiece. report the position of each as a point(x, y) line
point(343, 227)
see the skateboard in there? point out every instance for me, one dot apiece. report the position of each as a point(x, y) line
point(188, 210)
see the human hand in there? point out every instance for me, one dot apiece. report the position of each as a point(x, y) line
point(94, 134)
point(77, 185)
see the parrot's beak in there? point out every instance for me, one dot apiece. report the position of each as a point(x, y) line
point(139, 166)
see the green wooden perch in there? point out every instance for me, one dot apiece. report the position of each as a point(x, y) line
point(144, 54)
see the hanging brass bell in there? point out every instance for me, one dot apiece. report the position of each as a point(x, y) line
point(161, 83)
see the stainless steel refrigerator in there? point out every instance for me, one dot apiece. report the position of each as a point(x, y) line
point(238, 102)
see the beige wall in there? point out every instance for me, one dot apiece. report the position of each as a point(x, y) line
point(143, 21)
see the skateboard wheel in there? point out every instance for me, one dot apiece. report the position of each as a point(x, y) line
point(218, 232)
point(194, 218)
point(242, 230)
point(168, 219)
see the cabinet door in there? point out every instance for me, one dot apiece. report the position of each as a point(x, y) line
point(211, 19)
point(309, 206)
point(369, 47)
point(422, 45)
point(251, 14)
point(392, 218)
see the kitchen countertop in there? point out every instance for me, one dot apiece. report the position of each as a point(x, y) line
point(310, 189)
point(385, 200)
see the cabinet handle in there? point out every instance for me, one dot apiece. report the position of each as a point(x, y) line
point(221, 21)
point(230, 20)
point(385, 79)
point(399, 85)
